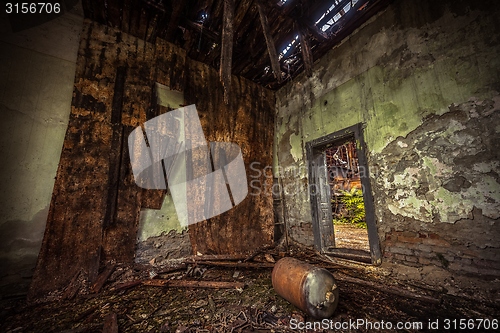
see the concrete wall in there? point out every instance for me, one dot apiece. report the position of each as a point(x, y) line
point(424, 79)
point(37, 69)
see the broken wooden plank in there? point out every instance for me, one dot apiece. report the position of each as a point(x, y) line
point(217, 257)
point(172, 268)
point(126, 285)
point(271, 48)
point(110, 323)
point(319, 35)
point(237, 264)
point(194, 284)
point(102, 278)
point(226, 59)
point(73, 287)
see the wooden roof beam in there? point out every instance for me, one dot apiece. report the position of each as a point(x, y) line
point(305, 47)
point(273, 55)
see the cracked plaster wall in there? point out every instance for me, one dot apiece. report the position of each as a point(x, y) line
point(424, 79)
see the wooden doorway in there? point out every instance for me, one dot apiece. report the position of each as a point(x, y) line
point(340, 194)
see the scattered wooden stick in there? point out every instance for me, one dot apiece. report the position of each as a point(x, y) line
point(73, 287)
point(102, 278)
point(193, 284)
point(110, 323)
point(238, 264)
point(127, 285)
point(218, 257)
point(171, 269)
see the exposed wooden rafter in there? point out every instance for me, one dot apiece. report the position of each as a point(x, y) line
point(271, 48)
point(305, 48)
point(202, 36)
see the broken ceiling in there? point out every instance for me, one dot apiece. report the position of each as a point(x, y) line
point(196, 26)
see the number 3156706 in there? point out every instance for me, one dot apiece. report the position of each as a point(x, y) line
point(32, 8)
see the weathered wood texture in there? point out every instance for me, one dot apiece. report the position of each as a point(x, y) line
point(226, 58)
point(94, 212)
point(247, 121)
point(271, 48)
point(305, 49)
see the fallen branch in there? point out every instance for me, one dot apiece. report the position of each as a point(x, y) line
point(193, 284)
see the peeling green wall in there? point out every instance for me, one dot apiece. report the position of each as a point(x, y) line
point(413, 62)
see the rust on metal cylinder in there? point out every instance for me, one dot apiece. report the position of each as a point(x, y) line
point(311, 289)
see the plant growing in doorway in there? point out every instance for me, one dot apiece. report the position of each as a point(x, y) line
point(353, 211)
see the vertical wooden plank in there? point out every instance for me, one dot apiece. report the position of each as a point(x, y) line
point(226, 59)
point(119, 238)
point(116, 146)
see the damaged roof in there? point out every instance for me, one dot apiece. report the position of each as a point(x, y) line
point(196, 26)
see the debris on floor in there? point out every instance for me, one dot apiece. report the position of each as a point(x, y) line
point(227, 294)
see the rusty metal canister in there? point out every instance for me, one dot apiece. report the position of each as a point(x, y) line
point(311, 289)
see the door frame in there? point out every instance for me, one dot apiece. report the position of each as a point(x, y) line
point(315, 156)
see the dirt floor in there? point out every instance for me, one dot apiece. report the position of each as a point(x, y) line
point(367, 301)
point(351, 237)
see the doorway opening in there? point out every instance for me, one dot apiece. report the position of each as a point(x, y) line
point(341, 202)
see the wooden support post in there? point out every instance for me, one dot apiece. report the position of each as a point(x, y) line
point(271, 48)
point(226, 58)
point(305, 48)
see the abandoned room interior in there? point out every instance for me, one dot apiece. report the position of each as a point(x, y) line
point(353, 143)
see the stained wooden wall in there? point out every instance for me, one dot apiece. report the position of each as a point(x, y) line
point(95, 206)
point(247, 121)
